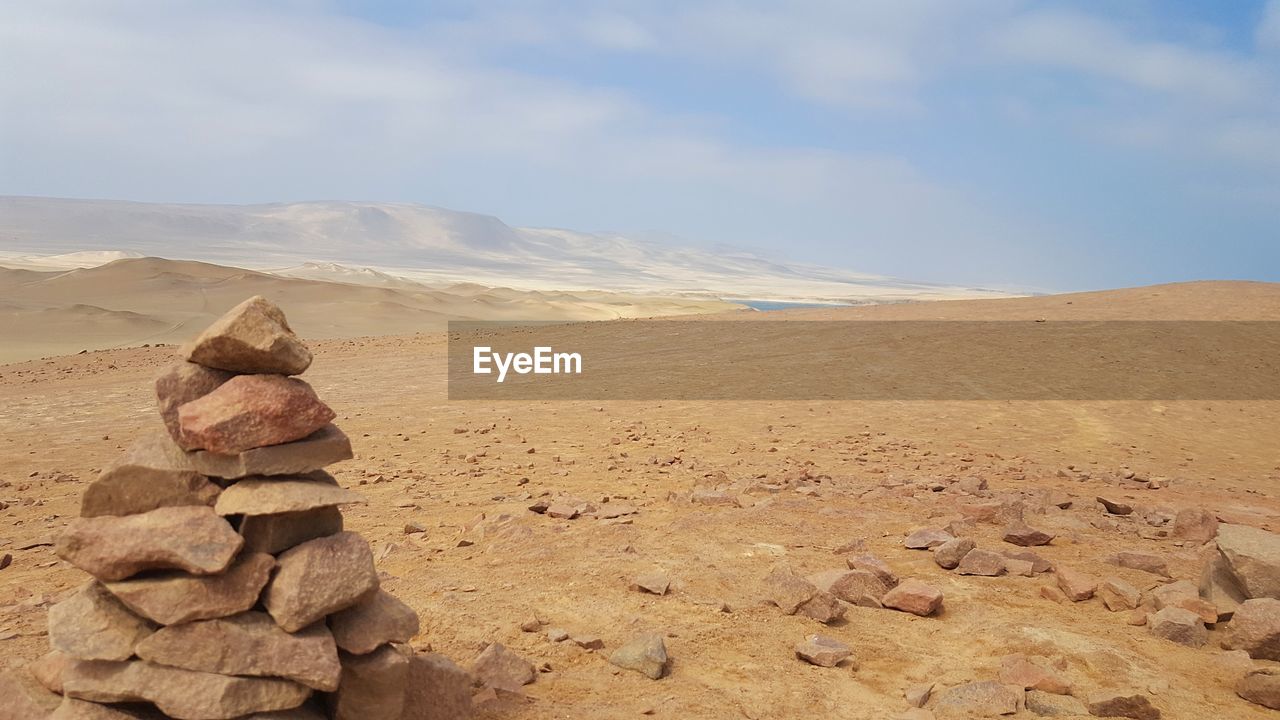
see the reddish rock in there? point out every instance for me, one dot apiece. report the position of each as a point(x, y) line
point(1146, 562)
point(320, 577)
point(1119, 704)
point(379, 619)
point(47, 670)
point(192, 538)
point(656, 582)
point(320, 449)
point(1021, 671)
point(22, 698)
point(977, 699)
point(1050, 592)
point(285, 494)
point(499, 668)
point(281, 531)
point(874, 565)
point(372, 686)
point(914, 597)
point(252, 411)
point(981, 562)
point(436, 689)
point(1020, 533)
point(1261, 687)
point(253, 337)
point(949, 554)
point(1183, 594)
point(858, 587)
point(181, 383)
point(646, 654)
point(92, 624)
point(1115, 507)
point(926, 539)
point(1181, 626)
point(1038, 563)
point(1077, 586)
point(1195, 525)
point(1255, 628)
point(153, 473)
point(1253, 559)
point(795, 595)
point(1119, 595)
point(822, 651)
point(176, 597)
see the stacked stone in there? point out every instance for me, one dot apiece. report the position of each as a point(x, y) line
point(224, 585)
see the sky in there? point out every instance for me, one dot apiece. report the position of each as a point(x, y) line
point(1051, 145)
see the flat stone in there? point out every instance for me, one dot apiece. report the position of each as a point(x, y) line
point(252, 337)
point(1051, 592)
point(180, 694)
point(1021, 671)
point(557, 634)
point(1022, 568)
point(153, 473)
point(980, 511)
point(1046, 704)
point(949, 554)
point(175, 597)
point(588, 642)
point(23, 698)
point(1119, 595)
point(251, 411)
point(977, 699)
point(181, 383)
point(436, 689)
point(1253, 557)
point(982, 562)
point(93, 625)
point(320, 577)
point(1261, 687)
point(192, 538)
point(822, 651)
point(859, 587)
point(320, 449)
point(1077, 586)
point(499, 668)
point(1146, 562)
point(47, 670)
point(1219, 586)
point(258, 495)
point(247, 644)
point(1121, 704)
point(375, 621)
point(1038, 563)
point(656, 582)
point(646, 654)
point(874, 565)
point(1181, 626)
point(372, 686)
point(281, 531)
point(914, 597)
point(1115, 507)
point(1020, 533)
point(918, 695)
point(1183, 594)
point(1255, 628)
point(926, 539)
point(1195, 525)
point(795, 595)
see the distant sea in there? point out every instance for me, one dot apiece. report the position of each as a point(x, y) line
point(775, 305)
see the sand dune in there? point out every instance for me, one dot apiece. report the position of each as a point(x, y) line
point(152, 300)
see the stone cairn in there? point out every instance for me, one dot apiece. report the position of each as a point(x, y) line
point(224, 585)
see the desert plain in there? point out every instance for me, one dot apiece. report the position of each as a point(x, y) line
point(717, 495)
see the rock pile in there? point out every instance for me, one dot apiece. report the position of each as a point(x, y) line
point(224, 585)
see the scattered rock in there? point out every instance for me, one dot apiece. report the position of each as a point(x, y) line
point(93, 625)
point(47, 670)
point(1119, 595)
point(1050, 705)
point(193, 539)
point(284, 494)
point(1020, 533)
point(1181, 626)
point(795, 595)
point(1077, 586)
point(949, 554)
point(372, 686)
point(153, 473)
point(1255, 628)
point(914, 597)
point(927, 539)
point(320, 577)
point(1146, 562)
point(1021, 671)
point(278, 532)
point(1038, 564)
point(1183, 594)
point(253, 337)
point(1115, 507)
point(181, 383)
point(557, 635)
point(1118, 704)
point(247, 644)
point(252, 411)
point(1253, 558)
point(1219, 586)
point(436, 689)
point(858, 587)
point(656, 582)
point(874, 565)
point(1050, 592)
point(646, 655)
point(1261, 687)
point(499, 668)
point(23, 698)
point(982, 562)
point(918, 695)
point(822, 651)
point(1195, 525)
point(382, 618)
point(588, 642)
point(977, 699)
point(175, 597)
point(320, 449)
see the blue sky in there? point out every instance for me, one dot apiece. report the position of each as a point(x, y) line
point(1054, 145)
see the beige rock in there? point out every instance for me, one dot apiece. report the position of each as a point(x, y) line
point(795, 595)
point(175, 597)
point(320, 577)
point(1051, 592)
point(180, 694)
point(949, 554)
point(1021, 568)
point(918, 695)
point(253, 337)
point(1038, 563)
point(1220, 588)
point(247, 644)
point(181, 383)
point(1255, 628)
point(1029, 675)
point(822, 651)
point(192, 538)
point(153, 473)
point(646, 654)
point(1183, 594)
point(977, 699)
point(1020, 533)
point(73, 709)
point(858, 587)
point(93, 625)
point(914, 597)
point(1253, 558)
point(47, 670)
point(499, 668)
point(1146, 562)
point(656, 582)
point(1115, 507)
point(251, 411)
point(1050, 705)
point(874, 565)
point(1261, 687)
point(926, 539)
point(1181, 626)
point(377, 620)
point(22, 698)
point(257, 495)
point(1077, 586)
point(1121, 704)
point(982, 562)
point(436, 689)
point(1195, 525)
point(320, 449)
point(1119, 595)
point(281, 531)
point(372, 687)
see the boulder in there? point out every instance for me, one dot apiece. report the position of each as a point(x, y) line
point(1195, 525)
point(982, 562)
point(281, 531)
point(1077, 586)
point(181, 383)
point(247, 644)
point(926, 539)
point(436, 689)
point(1219, 587)
point(915, 597)
point(258, 495)
point(499, 668)
point(1119, 595)
point(1255, 628)
point(1181, 626)
point(822, 651)
point(1253, 558)
point(949, 554)
point(180, 694)
point(1121, 704)
point(191, 538)
point(93, 625)
point(253, 337)
point(251, 411)
point(1183, 594)
point(176, 597)
point(646, 654)
point(320, 449)
point(153, 473)
point(1020, 533)
point(1146, 562)
point(1261, 687)
point(375, 621)
point(977, 699)
point(372, 686)
point(320, 577)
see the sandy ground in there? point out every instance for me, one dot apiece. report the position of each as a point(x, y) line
point(471, 469)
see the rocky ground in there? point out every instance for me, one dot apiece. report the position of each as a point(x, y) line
point(732, 505)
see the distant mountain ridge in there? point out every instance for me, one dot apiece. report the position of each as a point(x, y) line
point(428, 244)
